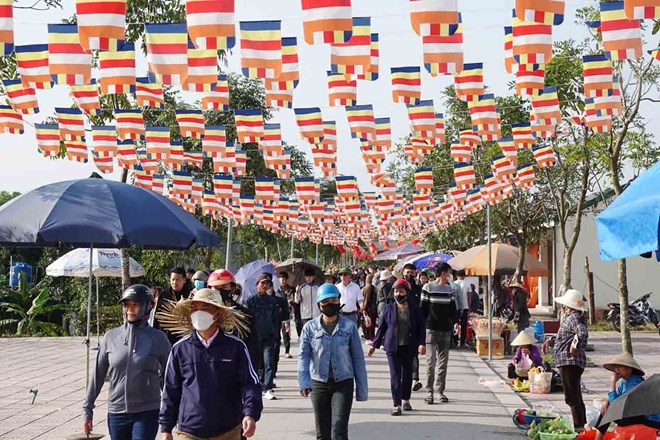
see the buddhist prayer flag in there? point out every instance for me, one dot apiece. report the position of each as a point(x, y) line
point(6, 27)
point(71, 123)
point(214, 141)
point(261, 49)
point(443, 55)
point(424, 179)
point(342, 91)
point(485, 117)
point(202, 69)
point(469, 84)
point(276, 97)
point(433, 17)
point(101, 24)
point(76, 151)
point(525, 176)
point(191, 123)
point(130, 124)
point(541, 11)
point(470, 138)
point(167, 53)
point(149, 94)
point(545, 156)
point(610, 103)
point(86, 98)
point(460, 152)
point(532, 42)
point(211, 24)
point(510, 62)
point(546, 107)
point(347, 187)
point(310, 123)
point(508, 147)
point(474, 201)
point(422, 119)
point(148, 163)
point(271, 143)
point(598, 75)
point(21, 98)
point(290, 75)
point(307, 190)
point(325, 153)
point(117, 70)
point(440, 129)
point(158, 141)
point(142, 179)
point(104, 140)
point(48, 139)
point(642, 9)
point(542, 128)
point(32, 62)
point(530, 79)
point(464, 175)
point(502, 168)
point(406, 85)
point(249, 125)
point(327, 21)
point(354, 56)
point(522, 135)
point(218, 97)
point(599, 121)
point(622, 37)
point(11, 122)
point(68, 63)
point(373, 72)
point(174, 159)
point(361, 121)
point(126, 155)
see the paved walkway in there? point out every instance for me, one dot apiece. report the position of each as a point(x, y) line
point(55, 367)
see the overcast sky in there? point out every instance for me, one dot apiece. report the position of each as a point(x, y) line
point(22, 168)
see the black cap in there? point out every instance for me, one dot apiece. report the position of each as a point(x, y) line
point(138, 293)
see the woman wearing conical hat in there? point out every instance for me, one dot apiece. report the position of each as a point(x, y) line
point(527, 348)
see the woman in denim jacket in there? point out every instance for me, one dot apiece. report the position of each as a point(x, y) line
point(330, 365)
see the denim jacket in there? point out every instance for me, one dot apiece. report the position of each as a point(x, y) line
point(345, 348)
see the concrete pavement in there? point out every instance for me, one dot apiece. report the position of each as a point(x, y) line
point(55, 366)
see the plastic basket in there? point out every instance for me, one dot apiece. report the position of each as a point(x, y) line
point(538, 419)
point(548, 436)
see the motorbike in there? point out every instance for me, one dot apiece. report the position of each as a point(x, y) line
point(641, 313)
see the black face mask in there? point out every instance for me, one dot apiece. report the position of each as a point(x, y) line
point(410, 279)
point(226, 295)
point(401, 299)
point(330, 309)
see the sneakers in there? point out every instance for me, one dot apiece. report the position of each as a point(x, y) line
point(288, 356)
point(270, 395)
point(417, 386)
point(396, 411)
point(406, 406)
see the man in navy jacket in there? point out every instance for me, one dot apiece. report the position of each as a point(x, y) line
point(211, 388)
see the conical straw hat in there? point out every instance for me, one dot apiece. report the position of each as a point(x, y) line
point(523, 338)
point(625, 359)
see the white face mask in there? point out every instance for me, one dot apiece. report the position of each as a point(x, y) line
point(450, 278)
point(201, 320)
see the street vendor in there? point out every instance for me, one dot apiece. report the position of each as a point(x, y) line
point(527, 356)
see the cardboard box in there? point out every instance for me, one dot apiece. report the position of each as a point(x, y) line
point(498, 347)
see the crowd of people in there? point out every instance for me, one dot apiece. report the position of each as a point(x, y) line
point(198, 358)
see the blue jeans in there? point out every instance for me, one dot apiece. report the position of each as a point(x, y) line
point(267, 352)
point(133, 426)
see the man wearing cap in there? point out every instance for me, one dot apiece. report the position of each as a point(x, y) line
point(266, 314)
point(211, 388)
point(306, 298)
point(351, 298)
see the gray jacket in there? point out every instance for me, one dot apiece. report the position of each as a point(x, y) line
point(136, 355)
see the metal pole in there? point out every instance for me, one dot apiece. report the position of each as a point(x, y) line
point(490, 284)
point(230, 230)
point(316, 260)
point(293, 239)
point(89, 310)
point(98, 316)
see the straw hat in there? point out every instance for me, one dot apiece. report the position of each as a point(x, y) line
point(626, 359)
point(572, 298)
point(175, 316)
point(524, 338)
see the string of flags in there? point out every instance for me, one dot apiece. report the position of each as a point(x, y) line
point(184, 55)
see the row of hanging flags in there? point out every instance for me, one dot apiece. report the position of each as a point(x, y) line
point(185, 55)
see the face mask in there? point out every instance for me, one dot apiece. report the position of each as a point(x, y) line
point(450, 278)
point(201, 320)
point(401, 299)
point(410, 278)
point(225, 294)
point(330, 310)
point(199, 284)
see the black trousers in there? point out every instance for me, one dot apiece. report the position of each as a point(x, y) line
point(415, 368)
point(332, 404)
point(464, 323)
point(570, 380)
point(401, 371)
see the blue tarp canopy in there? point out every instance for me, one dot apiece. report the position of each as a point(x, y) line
point(630, 225)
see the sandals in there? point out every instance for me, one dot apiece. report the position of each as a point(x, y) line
point(429, 399)
point(443, 398)
point(417, 386)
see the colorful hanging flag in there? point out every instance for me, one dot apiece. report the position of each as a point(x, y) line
point(510, 63)
point(6, 27)
point(502, 168)
point(325, 153)
point(525, 177)
point(544, 156)
point(600, 122)
point(142, 179)
point(532, 42)
point(214, 141)
point(424, 180)
point(522, 135)
point(470, 138)
point(508, 147)
point(191, 123)
point(611, 103)
point(261, 49)
point(542, 128)
point(71, 123)
point(406, 85)
point(290, 75)
point(485, 117)
point(310, 123)
point(249, 125)
point(362, 122)
point(218, 97)
point(464, 175)
point(276, 97)
point(175, 158)
point(202, 70)
point(530, 79)
point(68, 62)
point(433, 17)
point(130, 124)
point(598, 75)
point(32, 62)
point(48, 139)
point(307, 190)
point(86, 98)
point(11, 122)
point(622, 38)
point(460, 152)
point(158, 141)
point(444, 55)
point(76, 151)
point(148, 163)
point(440, 138)
point(642, 9)
point(211, 24)
point(104, 141)
point(327, 21)
point(354, 56)
point(271, 142)
point(347, 187)
point(342, 91)
point(117, 70)
point(126, 155)
point(541, 11)
point(546, 107)
point(101, 24)
point(167, 53)
point(21, 98)
point(149, 94)
point(474, 202)
point(422, 119)
point(373, 72)
point(469, 83)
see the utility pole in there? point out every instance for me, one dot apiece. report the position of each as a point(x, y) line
point(230, 230)
point(590, 291)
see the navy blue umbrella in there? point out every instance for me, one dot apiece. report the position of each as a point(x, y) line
point(102, 213)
